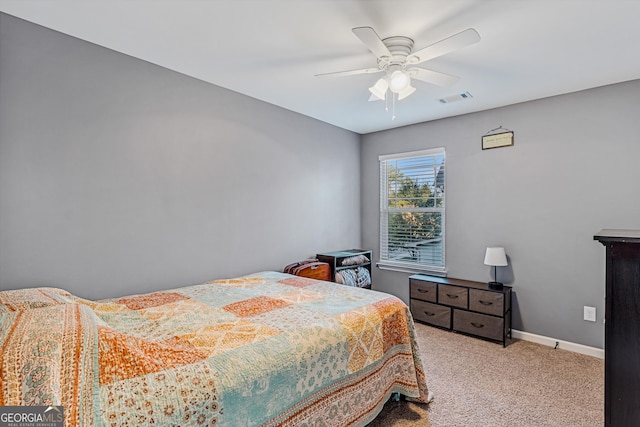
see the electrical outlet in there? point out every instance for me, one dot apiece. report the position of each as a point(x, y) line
point(590, 313)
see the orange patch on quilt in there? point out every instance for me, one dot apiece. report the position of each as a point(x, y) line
point(300, 282)
point(150, 300)
point(394, 322)
point(123, 356)
point(255, 306)
point(217, 339)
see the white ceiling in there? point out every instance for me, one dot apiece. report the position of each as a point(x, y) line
point(271, 49)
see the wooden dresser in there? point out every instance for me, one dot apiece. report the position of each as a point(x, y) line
point(462, 305)
point(622, 327)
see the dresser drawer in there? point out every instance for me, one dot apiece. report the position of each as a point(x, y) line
point(479, 324)
point(486, 302)
point(425, 291)
point(455, 296)
point(433, 314)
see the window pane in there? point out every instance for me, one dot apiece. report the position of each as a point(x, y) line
point(415, 182)
point(415, 237)
point(412, 206)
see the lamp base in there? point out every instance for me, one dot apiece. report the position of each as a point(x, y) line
point(495, 285)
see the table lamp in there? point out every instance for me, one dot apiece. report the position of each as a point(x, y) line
point(495, 257)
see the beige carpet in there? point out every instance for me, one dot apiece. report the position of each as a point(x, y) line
point(479, 383)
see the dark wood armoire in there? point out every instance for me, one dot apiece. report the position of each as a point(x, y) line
point(622, 327)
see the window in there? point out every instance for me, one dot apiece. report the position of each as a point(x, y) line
point(412, 203)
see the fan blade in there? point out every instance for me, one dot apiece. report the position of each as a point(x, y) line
point(455, 42)
point(369, 37)
point(350, 72)
point(433, 77)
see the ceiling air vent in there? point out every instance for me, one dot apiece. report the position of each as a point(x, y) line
point(455, 98)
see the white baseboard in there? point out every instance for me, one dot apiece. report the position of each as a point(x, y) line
point(565, 345)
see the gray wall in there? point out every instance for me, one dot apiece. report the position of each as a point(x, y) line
point(572, 171)
point(118, 176)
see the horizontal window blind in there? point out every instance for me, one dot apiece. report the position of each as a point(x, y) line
point(412, 209)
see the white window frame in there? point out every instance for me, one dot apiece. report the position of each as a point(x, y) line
point(385, 261)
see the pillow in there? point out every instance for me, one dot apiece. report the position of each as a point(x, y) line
point(355, 260)
point(27, 299)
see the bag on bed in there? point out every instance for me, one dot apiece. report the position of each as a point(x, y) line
point(311, 268)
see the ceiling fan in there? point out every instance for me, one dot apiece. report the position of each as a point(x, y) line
point(398, 61)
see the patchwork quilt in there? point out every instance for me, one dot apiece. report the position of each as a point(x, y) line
point(266, 349)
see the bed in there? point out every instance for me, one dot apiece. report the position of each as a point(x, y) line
point(265, 349)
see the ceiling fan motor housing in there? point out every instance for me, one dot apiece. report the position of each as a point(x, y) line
point(400, 47)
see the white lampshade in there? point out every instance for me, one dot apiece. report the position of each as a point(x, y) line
point(495, 257)
point(380, 88)
point(399, 81)
point(406, 92)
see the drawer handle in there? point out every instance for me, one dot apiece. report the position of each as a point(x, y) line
point(485, 302)
point(453, 296)
point(429, 314)
point(477, 325)
point(423, 291)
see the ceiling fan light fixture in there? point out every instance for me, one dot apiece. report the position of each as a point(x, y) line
point(406, 92)
point(399, 81)
point(380, 88)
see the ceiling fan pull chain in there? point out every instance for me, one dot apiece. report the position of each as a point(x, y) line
point(393, 102)
point(386, 101)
